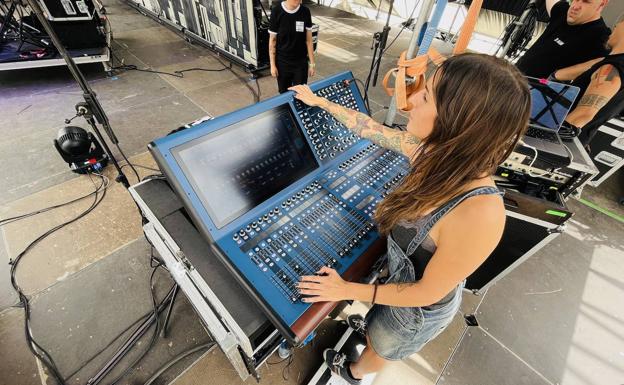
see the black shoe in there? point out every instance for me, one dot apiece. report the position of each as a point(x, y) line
point(358, 324)
point(338, 364)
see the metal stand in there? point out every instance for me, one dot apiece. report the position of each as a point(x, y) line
point(451, 35)
point(516, 25)
point(91, 107)
point(423, 17)
point(379, 45)
point(25, 32)
point(6, 20)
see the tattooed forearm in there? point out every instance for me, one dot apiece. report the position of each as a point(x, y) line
point(361, 123)
point(272, 48)
point(594, 101)
point(411, 139)
point(353, 120)
point(344, 115)
point(364, 126)
point(391, 143)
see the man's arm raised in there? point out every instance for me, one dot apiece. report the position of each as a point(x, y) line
point(550, 4)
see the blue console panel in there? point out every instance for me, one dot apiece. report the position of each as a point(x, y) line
point(281, 189)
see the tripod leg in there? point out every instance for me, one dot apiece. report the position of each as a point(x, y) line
point(163, 332)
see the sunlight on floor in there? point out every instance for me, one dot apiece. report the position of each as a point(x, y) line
point(596, 352)
point(336, 53)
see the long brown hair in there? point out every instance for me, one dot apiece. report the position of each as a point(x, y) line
point(483, 106)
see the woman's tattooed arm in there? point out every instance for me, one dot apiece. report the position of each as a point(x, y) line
point(398, 141)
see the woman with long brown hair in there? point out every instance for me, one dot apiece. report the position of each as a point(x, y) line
point(445, 218)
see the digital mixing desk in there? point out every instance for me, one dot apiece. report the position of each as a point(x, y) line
point(280, 189)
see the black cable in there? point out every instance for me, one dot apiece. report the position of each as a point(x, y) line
point(154, 335)
point(263, 10)
point(161, 306)
point(176, 359)
point(365, 96)
point(138, 166)
point(33, 345)
point(95, 355)
point(180, 74)
point(127, 161)
point(154, 262)
point(286, 368)
point(6, 221)
point(144, 167)
point(402, 29)
point(177, 74)
point(377, 61)
point(245, 83)
point(153, 176)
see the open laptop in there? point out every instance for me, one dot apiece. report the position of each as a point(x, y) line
point(550, 104)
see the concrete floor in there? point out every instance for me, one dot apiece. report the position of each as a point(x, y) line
point(556, 319)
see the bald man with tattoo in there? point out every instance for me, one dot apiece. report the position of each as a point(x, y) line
point(600, 81)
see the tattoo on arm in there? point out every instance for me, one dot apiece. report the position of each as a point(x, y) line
point(392, 143)
point(611, 75)
point(366, 127)
point(404, 285)
point(361, 123)
point(411, 139)
point(593, 101)
point(272, 48)
point(606, 74)
point(310, 46)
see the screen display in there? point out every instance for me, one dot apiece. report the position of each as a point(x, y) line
point(550, 103)
point(236, 168)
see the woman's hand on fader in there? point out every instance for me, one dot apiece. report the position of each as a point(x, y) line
point(326, 287)
point(305, 94)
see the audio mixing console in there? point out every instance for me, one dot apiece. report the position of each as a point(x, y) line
point(329, 137)
point(281, 189)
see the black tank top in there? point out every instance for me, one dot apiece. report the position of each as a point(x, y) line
point(612, 108)
point(404, 232)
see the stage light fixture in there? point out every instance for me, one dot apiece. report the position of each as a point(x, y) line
point(80, 149)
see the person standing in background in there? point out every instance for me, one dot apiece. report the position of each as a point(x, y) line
point(575, 34)
point(291, 53)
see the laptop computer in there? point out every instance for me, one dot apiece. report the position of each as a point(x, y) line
point(550, 104)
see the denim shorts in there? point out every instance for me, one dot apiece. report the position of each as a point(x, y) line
point(396, 333)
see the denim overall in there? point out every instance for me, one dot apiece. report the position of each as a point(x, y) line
point(398, 332)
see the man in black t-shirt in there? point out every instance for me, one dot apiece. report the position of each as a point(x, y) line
point(601, 85)
point(290, 44)
point(576, 33)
